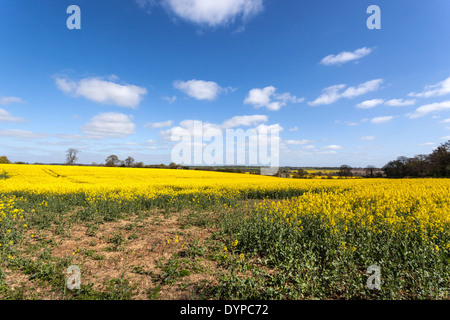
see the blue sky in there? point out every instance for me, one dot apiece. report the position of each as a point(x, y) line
point(138, 70)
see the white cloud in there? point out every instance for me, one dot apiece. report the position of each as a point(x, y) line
point(17, 133)
point(102, 91)
point(267, 97)
point(336, 92)
point(378, 120)
point(368, 138)
point(298, 142)
point(245, 121)
point(428, 108)
point(446, 121)
point(170, 99)
point(346, 56)
point(199, 89)
point(109, 125)
point(445, 138)
point(369, 103)
point(435, 90)
point(6, 116)
point(213, 13)
point(427, 144)
point(199, 129)
point(400, 102)
point(333, 147)
point(293, 129)
point(7, 100)
point(157, 125)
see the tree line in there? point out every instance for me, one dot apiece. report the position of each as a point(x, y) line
point(436, 164)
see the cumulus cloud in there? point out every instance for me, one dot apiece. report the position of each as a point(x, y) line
point(400, 102)
point(267, 97)
point(199, 89)
point(429, 108)
point(369, 103)
point(7, 117)
point(157, 125)
point(109, 125)
point(103, 91)
point(238, 121)
point(379, 120)
point(346, 56)
point(213, 13)
point(7, 100)
point(336, 92)
point(436, 90)
point(199, 129)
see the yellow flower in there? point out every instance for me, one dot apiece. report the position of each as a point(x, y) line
point(235, 243)
point(225, 249)
point(242, 256)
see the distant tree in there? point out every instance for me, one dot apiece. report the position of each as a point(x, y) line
point(173, 165)
point(72, 156)
point(440, 160)
point(418, 166)
point(139, 165)
point(370, 171)
point(129, 162)
point(301, 173)
point(397, 168)
point(112, 161)
point(345, 171)
point(4, 160)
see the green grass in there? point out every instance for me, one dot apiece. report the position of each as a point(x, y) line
point(278, 263)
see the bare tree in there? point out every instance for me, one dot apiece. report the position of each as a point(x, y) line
point(345, 171)
point(370, 171)
point(112, 160)
point(72, 156)
point(129, 162)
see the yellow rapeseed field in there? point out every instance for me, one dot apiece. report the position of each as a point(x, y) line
point(320, 234)
point(410, 204)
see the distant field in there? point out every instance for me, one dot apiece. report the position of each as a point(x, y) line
point(181, 234)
